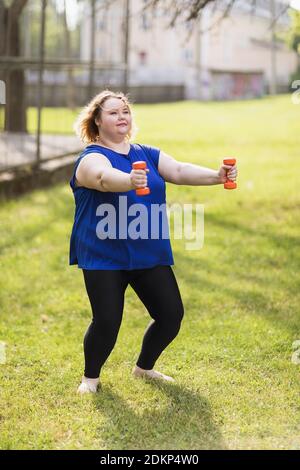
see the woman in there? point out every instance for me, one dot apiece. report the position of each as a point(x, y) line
point(103, 178)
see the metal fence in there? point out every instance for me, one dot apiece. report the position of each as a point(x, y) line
point(45, 77)
point(53, 61)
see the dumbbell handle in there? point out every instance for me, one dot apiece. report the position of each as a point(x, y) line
point(141, 165)
point(228, 183)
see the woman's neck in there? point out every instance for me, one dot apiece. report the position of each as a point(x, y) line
point(122, 145)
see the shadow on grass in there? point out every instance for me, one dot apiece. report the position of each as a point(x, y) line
point(186, 421)
point(52, 209)
point(258, 297)
point(255, 298)
point(279, 241)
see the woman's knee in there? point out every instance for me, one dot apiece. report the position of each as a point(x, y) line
point(181, 310)
point(173, 315)
point(107, 324)
point(178, 310)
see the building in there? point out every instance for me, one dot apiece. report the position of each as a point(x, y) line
point(237, 57)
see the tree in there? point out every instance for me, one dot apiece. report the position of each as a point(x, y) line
point(14, 79)
point(68, 52)
point(10, 47)
point(10, 33)
point(189, 11)
point(293, 40)
point(293, 36)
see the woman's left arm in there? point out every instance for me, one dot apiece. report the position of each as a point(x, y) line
point(177, 172)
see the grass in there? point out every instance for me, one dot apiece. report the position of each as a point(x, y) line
point(236, 387)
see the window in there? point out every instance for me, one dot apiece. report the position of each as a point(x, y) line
point(142, 57)
point(145, 19)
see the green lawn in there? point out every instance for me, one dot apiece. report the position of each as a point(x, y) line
point(236, 387)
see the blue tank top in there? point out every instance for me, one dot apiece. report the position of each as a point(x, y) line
point(90, 248)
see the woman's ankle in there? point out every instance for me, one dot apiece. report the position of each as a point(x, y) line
point(140, 368)
point(90, 380)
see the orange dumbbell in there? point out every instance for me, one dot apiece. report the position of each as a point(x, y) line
point(141, 165)
point(228, 183)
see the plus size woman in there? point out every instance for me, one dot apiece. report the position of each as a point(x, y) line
point(103, 183)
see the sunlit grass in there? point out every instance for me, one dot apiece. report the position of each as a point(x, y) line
point(236, 387)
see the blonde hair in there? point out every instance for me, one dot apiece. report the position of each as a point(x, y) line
point(85, 126)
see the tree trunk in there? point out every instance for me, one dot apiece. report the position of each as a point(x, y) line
point(15, 116)
point(15, 119)
point(3, 21)
point(68, 54)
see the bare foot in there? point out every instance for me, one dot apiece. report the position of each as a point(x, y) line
point(152, 374)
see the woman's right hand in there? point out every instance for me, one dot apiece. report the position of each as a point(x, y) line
point(138, 178)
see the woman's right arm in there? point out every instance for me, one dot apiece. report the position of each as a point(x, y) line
point(96, 172)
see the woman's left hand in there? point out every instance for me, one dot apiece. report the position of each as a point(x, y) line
point(227, 172)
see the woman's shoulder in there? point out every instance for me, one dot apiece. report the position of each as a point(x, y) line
point(93, 156)
point(93, 149)
point(146, 147)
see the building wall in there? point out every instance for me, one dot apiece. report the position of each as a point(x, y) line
point(243, 43)
point(183, 56)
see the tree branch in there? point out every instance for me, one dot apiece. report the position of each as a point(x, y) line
point(16, 8)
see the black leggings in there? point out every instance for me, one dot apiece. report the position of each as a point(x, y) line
point(158, 290)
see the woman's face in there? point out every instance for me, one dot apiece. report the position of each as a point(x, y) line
point(115, 120)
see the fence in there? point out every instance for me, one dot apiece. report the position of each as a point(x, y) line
point(42, 88)
point(52, 68)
